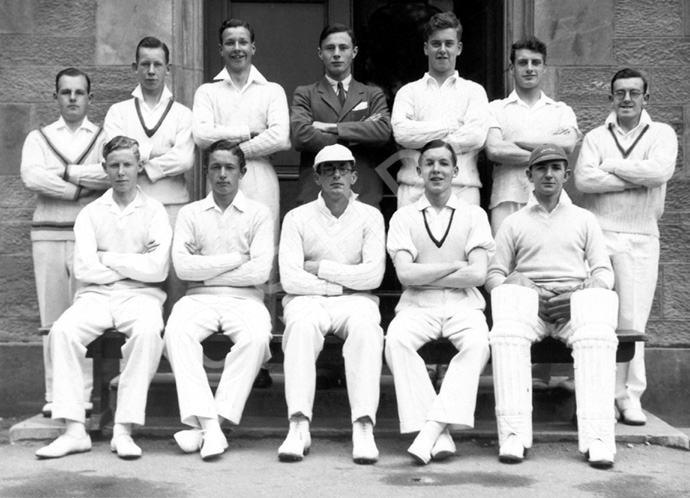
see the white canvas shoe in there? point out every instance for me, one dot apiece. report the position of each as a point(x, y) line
point(297, 442)
point(364, 450)
point(65, 445)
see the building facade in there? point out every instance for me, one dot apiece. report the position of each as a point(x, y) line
point(587, 40)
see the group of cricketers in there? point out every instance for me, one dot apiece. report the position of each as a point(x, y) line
point(106, 256)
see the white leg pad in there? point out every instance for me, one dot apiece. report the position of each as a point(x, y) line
point(514, 311)
point(594, 315)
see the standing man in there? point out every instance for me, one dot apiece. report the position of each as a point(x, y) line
point(339, 109)
point(441, 247)
point(521, 122)
point(241, 106)
point(224, 248)
point(622, 169)
point(551, 276)
point(332, 255)
point(121, 255)
point(441, 106)
point(61, 163)
point(163, 129)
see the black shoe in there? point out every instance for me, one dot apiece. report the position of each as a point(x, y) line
point(263, 380)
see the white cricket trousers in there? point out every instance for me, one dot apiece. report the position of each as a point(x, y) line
point(591, 333)
point(194, 318)
point(356, 320)
point(55, 288)
point(635, 260)
point(135, 313)
point(418, 402)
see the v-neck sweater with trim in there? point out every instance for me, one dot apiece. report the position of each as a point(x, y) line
point(627, 195)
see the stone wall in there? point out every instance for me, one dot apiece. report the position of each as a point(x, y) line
point(38, 38)
point(588, 42)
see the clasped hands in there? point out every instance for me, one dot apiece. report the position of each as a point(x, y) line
point(554, 303)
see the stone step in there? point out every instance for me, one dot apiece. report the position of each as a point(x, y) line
point(554, 405)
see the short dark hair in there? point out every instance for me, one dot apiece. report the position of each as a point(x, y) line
point(530, 43)
point(121, 142)
point(630, 73)
point(438, 144)
point(72, 71)
point(337, 28)
point(153, 42)
point(235, 23)
point(233, 147)
point(442, 20)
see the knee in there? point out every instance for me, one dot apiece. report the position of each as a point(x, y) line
point(513, 303)
point(478, 343)
point(397, 338)
point(149, 330)
point(594, 307)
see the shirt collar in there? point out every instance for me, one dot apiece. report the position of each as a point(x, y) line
point(254, 77)
point(239, 202)
point(563, 200)
point(165, 96)
point(451, 80)
point(542, 101)
point(645, 119)
point(85, 125)
point(424, 203)
point(322, 203)
point(346, 82)
point(107, 199)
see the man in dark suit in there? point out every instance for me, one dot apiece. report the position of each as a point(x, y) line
point(338, 109)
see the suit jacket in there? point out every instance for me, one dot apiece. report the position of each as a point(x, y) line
point(318, 102)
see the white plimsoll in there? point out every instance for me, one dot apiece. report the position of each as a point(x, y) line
point(594, 316)
point(514, 310)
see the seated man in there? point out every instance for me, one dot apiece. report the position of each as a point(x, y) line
point(550, 276)
point(121, 255)
point(332, 253)
point(224, 247)
point(441, 247)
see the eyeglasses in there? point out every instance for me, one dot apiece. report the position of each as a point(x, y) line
point(328, 170)
point(634, 94)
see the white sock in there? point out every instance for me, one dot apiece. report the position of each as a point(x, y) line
point(75, 429)
point(209, 424)
point(120, 429)
point(430, 432)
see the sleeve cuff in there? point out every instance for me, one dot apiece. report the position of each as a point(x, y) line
point(327, 270)
point(71, 192)
point(107, 259)
point(333, 289)
point(153, 171)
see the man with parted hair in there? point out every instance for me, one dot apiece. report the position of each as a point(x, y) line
point(240, 105)
point(440, 247)
point(519, 123)
point(163, 129)
point(121, 256)
point(61, 163)
point(339, 109)
point(441, 106)
point(162, 126)
point(622, 170)
point(224, 248)
point(332, 255)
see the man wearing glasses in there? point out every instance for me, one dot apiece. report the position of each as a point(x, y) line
point(332, 255)
point(622, 170)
